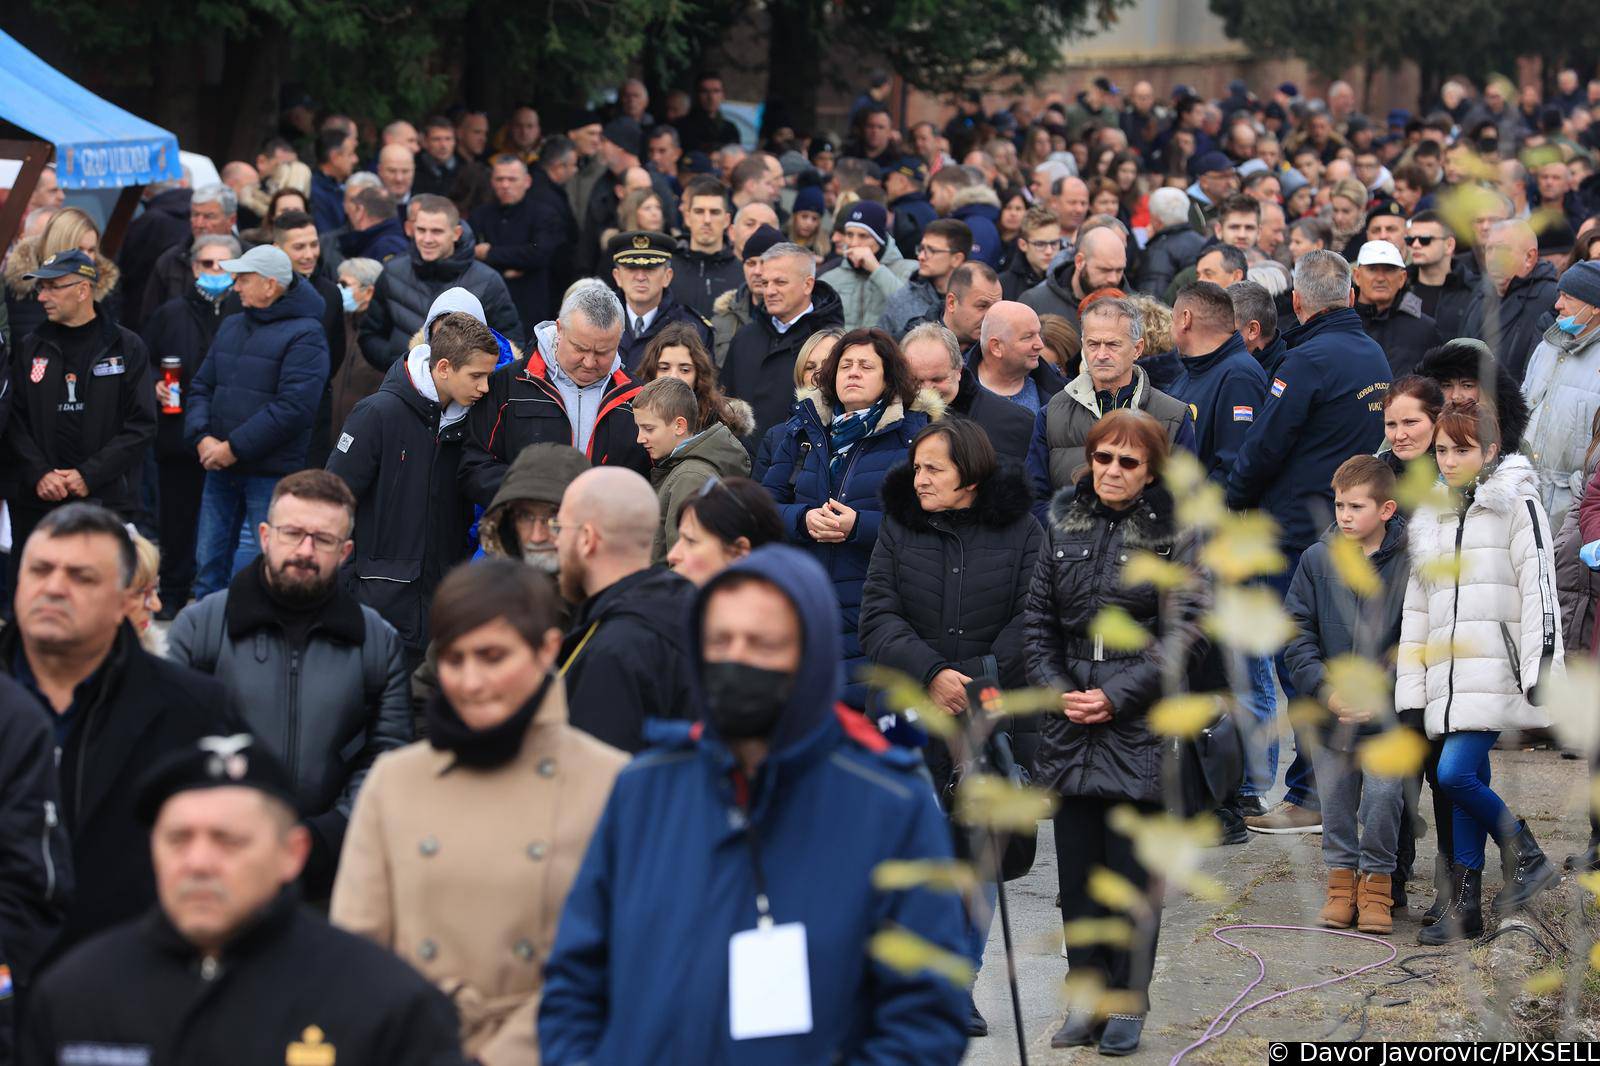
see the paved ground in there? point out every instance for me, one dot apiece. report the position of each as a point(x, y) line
point(1278, 880)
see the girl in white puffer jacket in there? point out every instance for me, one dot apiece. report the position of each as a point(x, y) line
point(1481, 630)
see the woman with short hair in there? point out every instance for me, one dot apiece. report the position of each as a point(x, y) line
point(462, 848)
point(1099, 754)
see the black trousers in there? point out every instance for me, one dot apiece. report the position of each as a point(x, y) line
point(1084, 840)
point(1443, 809)
point(182, 480)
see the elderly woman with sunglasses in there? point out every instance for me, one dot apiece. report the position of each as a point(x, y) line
point(1098, 754)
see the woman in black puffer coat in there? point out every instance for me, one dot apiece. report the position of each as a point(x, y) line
point(1099, 755)
point(946, 586)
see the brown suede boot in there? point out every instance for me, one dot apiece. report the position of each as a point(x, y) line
point(1340, 910)
point(1374, 904)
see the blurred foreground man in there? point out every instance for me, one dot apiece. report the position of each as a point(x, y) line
point(229, 967)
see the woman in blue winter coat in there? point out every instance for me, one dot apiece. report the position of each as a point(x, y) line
point(845, 435)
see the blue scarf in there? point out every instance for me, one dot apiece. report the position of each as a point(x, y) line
point(847, 430)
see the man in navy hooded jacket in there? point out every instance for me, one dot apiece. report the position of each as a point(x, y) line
point(1217, 377)
point(756, 816)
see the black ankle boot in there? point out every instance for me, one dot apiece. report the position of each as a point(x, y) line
point(1443, 888)
point(1463, 918)
point(1079, 1030)
point(1531, 875)
point(1122, 1033)
point(1588, 862)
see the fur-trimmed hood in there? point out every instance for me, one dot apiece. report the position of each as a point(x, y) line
point(1002, 499)
point(1075, 510)
point(27, 255)
point(1512, 479)
point(732, 300)
point(974, 194)
point(1465, 357)
point(928, 402)
point(738, 416)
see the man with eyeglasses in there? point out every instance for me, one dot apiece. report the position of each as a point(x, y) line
point(946, 243)
point(319, 678)
point(82, 409)
point(1038, 241)
point(1441, 281)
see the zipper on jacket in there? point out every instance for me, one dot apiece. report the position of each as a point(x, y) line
point(50, 823)
point(1455, 613)
point(293, 753)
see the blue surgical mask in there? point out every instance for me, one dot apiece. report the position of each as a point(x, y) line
point(214, 285)
point(348, 297)
point(1570, 324)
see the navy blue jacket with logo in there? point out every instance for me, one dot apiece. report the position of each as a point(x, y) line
point(1224, 391)
point(117, 422)
point(1324, 404)
point(626, 983)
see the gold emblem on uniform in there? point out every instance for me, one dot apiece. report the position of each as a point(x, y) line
point(640, 241)
point(310, 1050)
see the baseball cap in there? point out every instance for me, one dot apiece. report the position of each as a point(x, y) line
point(265, 259)
point(62, 264)
point(1380, 253)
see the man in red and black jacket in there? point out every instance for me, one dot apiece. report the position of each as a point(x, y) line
point(569, 389)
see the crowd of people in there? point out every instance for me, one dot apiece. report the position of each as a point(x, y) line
point(531, 508)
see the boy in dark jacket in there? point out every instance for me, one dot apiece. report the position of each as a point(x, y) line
point(399, 451)
point(1337, 626)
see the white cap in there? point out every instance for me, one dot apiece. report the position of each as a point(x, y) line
point(1380, 253)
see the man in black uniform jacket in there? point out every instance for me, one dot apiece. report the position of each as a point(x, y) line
point(230, 968)
point(83, 409)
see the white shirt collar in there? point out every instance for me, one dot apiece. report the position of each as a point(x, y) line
point(784, 327)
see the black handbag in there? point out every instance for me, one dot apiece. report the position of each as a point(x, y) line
point(1210, 767)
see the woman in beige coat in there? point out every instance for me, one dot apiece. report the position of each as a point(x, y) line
point(462, 848)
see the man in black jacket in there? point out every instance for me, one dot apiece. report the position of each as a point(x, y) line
point(1527, 288)
point(162, 225)
point(183, 329)
point(1390, 315)
point(308, 665)
point(1443, 284)
point(520, 239)
point(84, 411)
point(399, 452)
point(441, 258)
point(230, 967)
point(212, 209)
point(934, 359)
point(557, 225)
point(570, 388)
point(297, 236)
point(114, 707)
point(760, 364)
point(708, 267)
point(624, 658)
point(35, 860)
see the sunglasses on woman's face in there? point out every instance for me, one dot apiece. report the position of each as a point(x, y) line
point(1127, 462)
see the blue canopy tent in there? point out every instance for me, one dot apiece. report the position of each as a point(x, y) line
point(96, 144)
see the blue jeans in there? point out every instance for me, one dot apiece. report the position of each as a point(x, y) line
point(232, 506)
point(978, 925)
point(1300, 779)
point(1261, 738)
point(1477, 812)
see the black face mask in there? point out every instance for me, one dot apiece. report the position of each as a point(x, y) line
point(745, 702)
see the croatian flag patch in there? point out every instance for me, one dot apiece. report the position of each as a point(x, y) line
point(1244, 414)
point(1278, 385)
point(5, 982)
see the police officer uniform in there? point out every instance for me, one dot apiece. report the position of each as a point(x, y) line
point(287, 990)
point(645, 248)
